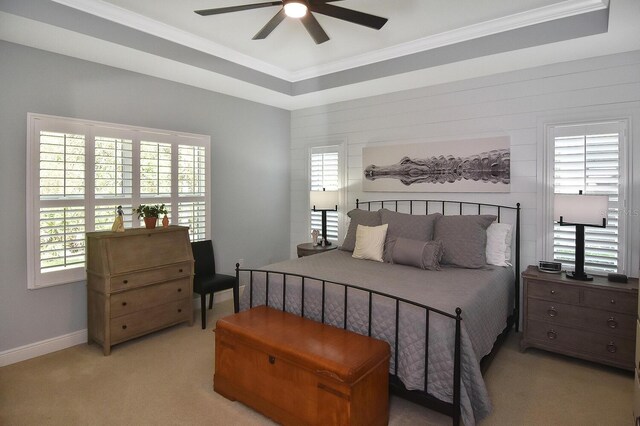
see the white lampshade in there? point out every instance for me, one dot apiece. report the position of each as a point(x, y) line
point(581, 209)
point(323, 200)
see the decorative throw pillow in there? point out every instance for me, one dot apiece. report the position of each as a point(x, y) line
point(359, 217)
point(420, 254)
point(499, 244)
point(409, 226)
point(464, 239)
point(370, 242)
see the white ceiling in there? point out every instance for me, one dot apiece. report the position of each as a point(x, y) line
point(290, 47)
point(289, 57)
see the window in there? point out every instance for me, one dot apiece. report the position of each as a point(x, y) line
point(591, 158)
point(80, 171)
point(325, 173)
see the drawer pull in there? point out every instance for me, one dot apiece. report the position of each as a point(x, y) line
point(612, 323)
point(179, 270)
point(125, 281)
point(272, 359)
point(124, 303)
point(552, 312)
point(179, 290)
point(124, 327)
point(552, 335)
point(553, 292)
point(179, 310)
point(611, 348)
point(612, 301)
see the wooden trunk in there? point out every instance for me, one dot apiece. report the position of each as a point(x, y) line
point(301, 372)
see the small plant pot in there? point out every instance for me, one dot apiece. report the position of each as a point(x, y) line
point(150, 222)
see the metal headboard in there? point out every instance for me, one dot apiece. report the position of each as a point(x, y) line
point(416, 205)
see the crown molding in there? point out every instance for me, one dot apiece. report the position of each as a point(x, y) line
point(142, 23)
point(159, 29)
point(535, 16)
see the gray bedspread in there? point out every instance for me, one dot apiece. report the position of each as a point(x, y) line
point(484, 295)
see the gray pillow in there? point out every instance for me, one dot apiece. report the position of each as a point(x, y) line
point(464, 239)
point(420, 254)
point(358, 217)
point(410, 226)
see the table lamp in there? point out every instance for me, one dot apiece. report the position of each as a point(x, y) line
point(324, 201)
point(580, 211)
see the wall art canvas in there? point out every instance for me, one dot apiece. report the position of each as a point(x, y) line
point(473, 165)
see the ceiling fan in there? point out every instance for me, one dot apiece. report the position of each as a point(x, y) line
point(302, 9)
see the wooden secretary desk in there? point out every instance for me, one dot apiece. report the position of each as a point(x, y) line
point(138, 281)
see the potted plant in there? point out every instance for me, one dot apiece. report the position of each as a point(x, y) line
point(150, 214)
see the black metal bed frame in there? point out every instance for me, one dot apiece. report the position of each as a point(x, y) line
point(396, 386)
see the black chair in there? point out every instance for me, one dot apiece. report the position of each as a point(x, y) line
point(206, 280)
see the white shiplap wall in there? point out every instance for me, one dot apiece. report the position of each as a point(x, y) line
point(517, 104)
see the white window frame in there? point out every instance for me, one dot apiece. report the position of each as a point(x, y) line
point(38, 122)
point(339, 147)
point(625, 169)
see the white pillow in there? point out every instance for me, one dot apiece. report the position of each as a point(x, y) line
point(499, 244)
point(370, 242)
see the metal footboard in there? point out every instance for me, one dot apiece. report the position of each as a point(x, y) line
point(450, 408)
point(453, 408)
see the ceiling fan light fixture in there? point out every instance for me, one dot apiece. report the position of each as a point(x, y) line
point(295, 9)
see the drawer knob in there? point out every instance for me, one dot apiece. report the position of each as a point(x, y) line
point(553, 292)
point(179, 310)
point(124, 327)
point(125, 281)
point(552, 312)
point(124, 303)
point(179, 290)
point(179, 270)
point(612, 301)
point(272, 359)
point(612, 323)
point(552, 335)
point(611, 348)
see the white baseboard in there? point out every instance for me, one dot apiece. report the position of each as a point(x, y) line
point(58, 343)
point(42, 347)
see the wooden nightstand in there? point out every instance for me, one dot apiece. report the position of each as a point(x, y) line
point(307, 249)
point(593, 320)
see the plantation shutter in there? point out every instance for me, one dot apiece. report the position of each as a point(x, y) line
point(325, 174)
point(589, 158)
point(79, 172)
point(60, 215)
point(192, 190)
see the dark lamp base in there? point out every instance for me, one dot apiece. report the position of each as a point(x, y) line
point(579, 277)
point(327, 243)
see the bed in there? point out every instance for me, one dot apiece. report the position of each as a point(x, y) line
point(440, 324)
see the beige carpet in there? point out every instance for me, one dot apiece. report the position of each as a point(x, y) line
point(166, 379)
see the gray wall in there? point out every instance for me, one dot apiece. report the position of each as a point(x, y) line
point(250, 171)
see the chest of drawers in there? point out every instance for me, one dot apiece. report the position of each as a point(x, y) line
point(138, 281)
point(593, 320)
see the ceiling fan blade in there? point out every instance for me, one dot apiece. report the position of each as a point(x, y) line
point(349, 15)
point(313, 27)
point(217, 11)
point(270, 26)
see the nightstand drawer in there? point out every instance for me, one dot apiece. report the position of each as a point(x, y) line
point(637, 346)
point(636, 397)
point(142, 278)
point(611, 300)
point(134, 300)
point(142, 322)
point(555, 292)
point(605, 322)
point(575, 342)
